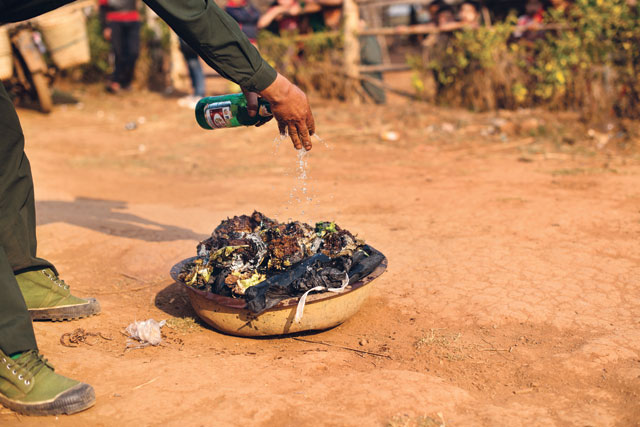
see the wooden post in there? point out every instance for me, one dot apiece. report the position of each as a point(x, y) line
point(351, 45)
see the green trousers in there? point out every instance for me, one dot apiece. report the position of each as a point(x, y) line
point(17, 231)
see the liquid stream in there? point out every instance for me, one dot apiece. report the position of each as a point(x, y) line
point(303, 192)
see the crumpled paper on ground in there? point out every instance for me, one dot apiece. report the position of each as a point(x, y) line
point(146, 331)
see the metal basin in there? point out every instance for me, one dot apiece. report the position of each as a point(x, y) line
point(322, 310)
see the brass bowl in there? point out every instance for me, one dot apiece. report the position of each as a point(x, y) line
point(322, 310)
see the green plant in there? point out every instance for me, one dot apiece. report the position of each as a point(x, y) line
point(312, 61)
point(589, 62)
point(99, 48)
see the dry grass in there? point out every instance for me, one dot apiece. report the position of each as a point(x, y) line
point(404, 420)
point(443, 345)
point(183, 324)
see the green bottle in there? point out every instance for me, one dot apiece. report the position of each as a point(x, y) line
point(228, 111)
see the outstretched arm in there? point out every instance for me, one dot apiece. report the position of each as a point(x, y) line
point(272, 13)
point(216, 37)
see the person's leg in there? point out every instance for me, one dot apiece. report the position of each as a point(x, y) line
point(16, 330)
point(45, 295)
point(17, 205)
point(131, 47)
point(118, 52)
point(27, 382)
point(371, 54)
point(197, 76)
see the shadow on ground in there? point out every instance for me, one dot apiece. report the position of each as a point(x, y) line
point(174, 301)
point(106, 217)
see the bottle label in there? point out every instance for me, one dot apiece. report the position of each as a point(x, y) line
point(218, 114)
point(263, 111)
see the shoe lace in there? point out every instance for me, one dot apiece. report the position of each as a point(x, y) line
point(55, 279)
point(28, 365)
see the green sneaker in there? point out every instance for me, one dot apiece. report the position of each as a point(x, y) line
point(29, 386)
point(49, 298)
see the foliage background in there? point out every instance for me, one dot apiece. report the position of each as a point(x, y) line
point(589, 63)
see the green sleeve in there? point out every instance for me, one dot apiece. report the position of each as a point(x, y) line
point(217, 39)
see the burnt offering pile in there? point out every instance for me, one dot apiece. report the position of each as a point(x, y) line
point(264, 261)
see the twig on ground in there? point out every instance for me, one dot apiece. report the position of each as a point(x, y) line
point(144, 384)
point(78, 336)
point(497, 350)
point(342, 347)
point(132, 277)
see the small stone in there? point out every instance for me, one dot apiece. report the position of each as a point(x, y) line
point(390, 136)
point(448, 127)
point(530, 125)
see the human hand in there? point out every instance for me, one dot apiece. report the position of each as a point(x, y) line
point(252, 106)
point(291, 109)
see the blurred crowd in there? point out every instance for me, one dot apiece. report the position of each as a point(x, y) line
point(442, 16)
point(430, 25)
point(120, 21)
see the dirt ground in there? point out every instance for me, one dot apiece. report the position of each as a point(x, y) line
point(512, 296)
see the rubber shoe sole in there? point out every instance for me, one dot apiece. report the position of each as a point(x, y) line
point(70, 312)
point(76, 399)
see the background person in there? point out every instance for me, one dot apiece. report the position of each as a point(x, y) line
point(446, 19)
point(469, 14)
point(288, 16)
point(121, 22)
point(196, 75)
point(433, 9)
point(532, 18)
point(246, 15)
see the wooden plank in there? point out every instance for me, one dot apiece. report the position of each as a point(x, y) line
point(430, 29)
point(403, 30)
point(383, 68)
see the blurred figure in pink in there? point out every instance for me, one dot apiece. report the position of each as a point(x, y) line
point(286, 16)
point(531, 20)
point(246, 15)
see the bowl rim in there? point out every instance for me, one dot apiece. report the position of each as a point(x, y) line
point(289, 302)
